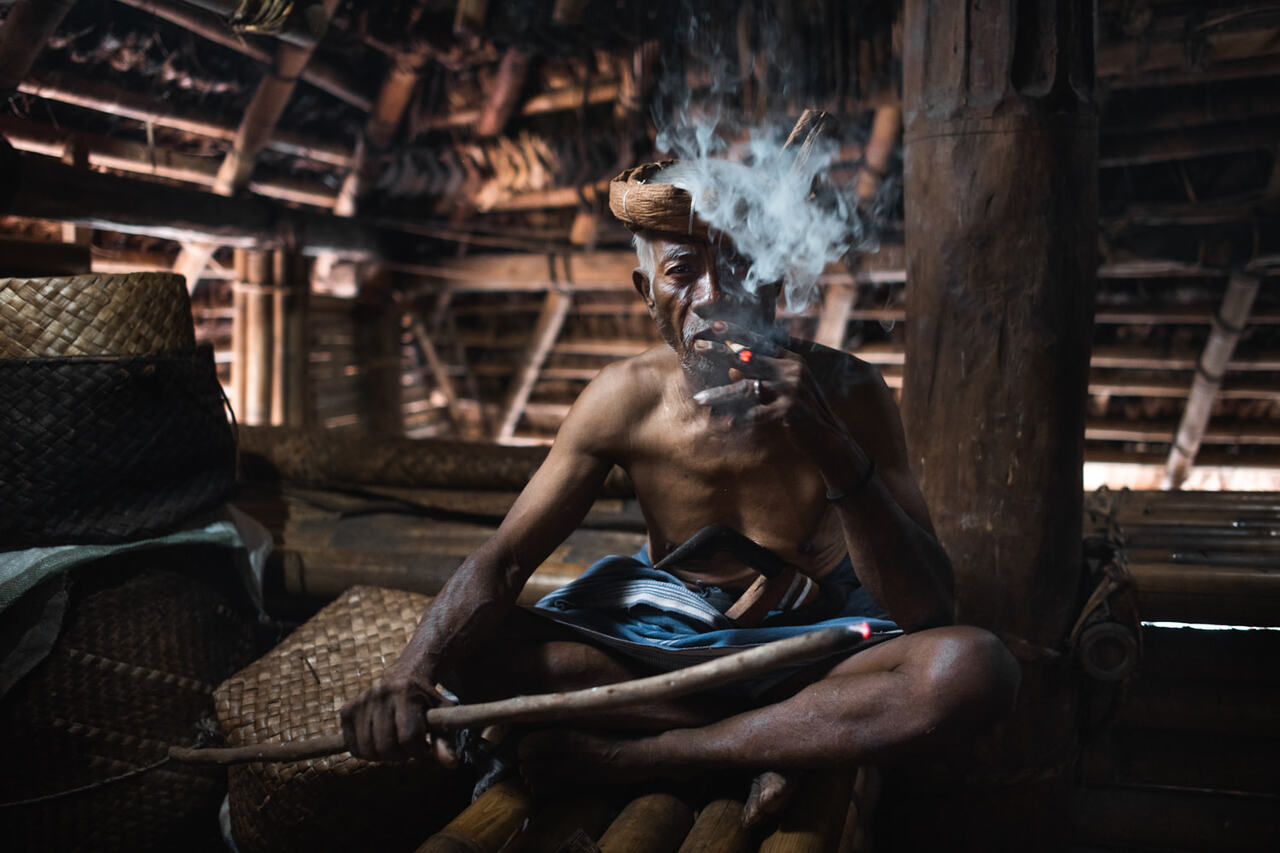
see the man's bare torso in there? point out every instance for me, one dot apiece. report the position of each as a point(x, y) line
point(691, 469)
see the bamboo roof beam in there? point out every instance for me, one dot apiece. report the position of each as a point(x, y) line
point(47, 189)
point(257, 126)
point(1193, 429)
point(136, 157)
point(26, 29)
point(434, 370)
point(215, 29)
point(555, 308)
point(99, 96)
point(504, 94)
point(569, 98)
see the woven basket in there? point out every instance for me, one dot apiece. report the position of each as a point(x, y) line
point(103, 449)
point(295, 691)
point(98, 315)
point(642, 203)
point(131, 674)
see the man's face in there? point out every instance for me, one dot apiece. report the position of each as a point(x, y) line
point(695, 283)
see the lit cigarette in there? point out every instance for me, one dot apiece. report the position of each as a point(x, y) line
point(744, 354)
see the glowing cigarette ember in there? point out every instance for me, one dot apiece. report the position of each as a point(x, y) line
point(744, 354)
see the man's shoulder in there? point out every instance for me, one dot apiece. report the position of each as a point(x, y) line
point(623, 392)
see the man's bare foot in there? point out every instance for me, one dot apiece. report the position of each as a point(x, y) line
point(770, 793)
point(552, 757)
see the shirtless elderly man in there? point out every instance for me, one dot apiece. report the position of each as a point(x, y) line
point(801, 449)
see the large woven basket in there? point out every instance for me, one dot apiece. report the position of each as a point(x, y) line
point(109, 449)
point(296, 691)
point(131, 673)
point(102, 315)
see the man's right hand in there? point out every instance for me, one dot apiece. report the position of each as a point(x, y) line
point(388, 722)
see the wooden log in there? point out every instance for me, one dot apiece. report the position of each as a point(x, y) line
point(813, 821)
point(718, 829)
point(556, 822)
point(1228, 323)
point(1222, 595)
point(51, 190)
point(1135, 56)
point(100, 96)
point(653, 823)
point(1161, 819)
point(999, 355)
point(239, 336)
point(26, 29)
point(487, 824)
point(1164, 147)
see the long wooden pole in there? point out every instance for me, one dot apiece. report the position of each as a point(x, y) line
point(258, 339)
point(1228, 323)
point(555, 307)
point(1001, 222)
point(545, 707)
point(26, 29)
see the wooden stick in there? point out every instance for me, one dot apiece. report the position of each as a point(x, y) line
point(554, 706)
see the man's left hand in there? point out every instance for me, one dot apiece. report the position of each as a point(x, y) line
point(772, 386)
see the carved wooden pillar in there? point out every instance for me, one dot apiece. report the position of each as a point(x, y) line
point(1001, 216)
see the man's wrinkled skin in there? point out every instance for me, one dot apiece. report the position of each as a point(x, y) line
point(709, 440)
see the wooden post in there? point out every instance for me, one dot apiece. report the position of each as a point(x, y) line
point(258, 339)
point(289, 355)
point(1001, 221)
point(377, 332)
point(26, 29)
point(555, 307)
point(718, 829)
point(239, 333)
point(485, 825)
point(1227, 325)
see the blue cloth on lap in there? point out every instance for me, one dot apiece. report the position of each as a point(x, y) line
point(652, 616)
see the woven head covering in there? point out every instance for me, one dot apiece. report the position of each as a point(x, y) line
point(643, 203)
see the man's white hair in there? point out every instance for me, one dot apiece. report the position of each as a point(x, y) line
point(644, 254)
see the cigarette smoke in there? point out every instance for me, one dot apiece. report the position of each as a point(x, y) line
point(789, 215)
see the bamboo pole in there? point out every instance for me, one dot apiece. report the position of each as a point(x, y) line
point(718, 829)
point(103, 97)
point(653, 823)
point(239, 335)
point(437, 374)
point(548, 707)
point(213, 29)
point(26, 29)
point(1227, 326)
point(581, 815)
point(485, 825)
point(555, 308)
point(504, 96)
point(259, 342)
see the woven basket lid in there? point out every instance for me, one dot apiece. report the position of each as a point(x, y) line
point(645, 204)
point(131, 314)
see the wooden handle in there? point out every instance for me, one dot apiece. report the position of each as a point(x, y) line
point(812, 646)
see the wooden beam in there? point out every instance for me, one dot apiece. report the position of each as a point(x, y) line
point(555, 308)
point(103, 97)
point(837, 303)
point(1163, 432)
point(139, 158)
point(258, 339)
point(1242, 69)
point(505, 91)
point(48, 189)
point(1194, 426)
point(215, 29)
point(1165, 146)
point(26, 29)
point(436, 372)
point(1138, 56)
point(1001, 138)
point(569, 98)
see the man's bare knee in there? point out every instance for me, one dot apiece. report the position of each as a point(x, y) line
point(966, 677)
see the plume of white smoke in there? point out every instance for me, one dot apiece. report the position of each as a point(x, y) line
point(785, 212)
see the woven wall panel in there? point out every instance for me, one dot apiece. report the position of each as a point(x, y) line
point(97, 315)
point(338, 802)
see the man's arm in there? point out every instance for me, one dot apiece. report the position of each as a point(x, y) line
point(886, 521)
point(388, 721)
